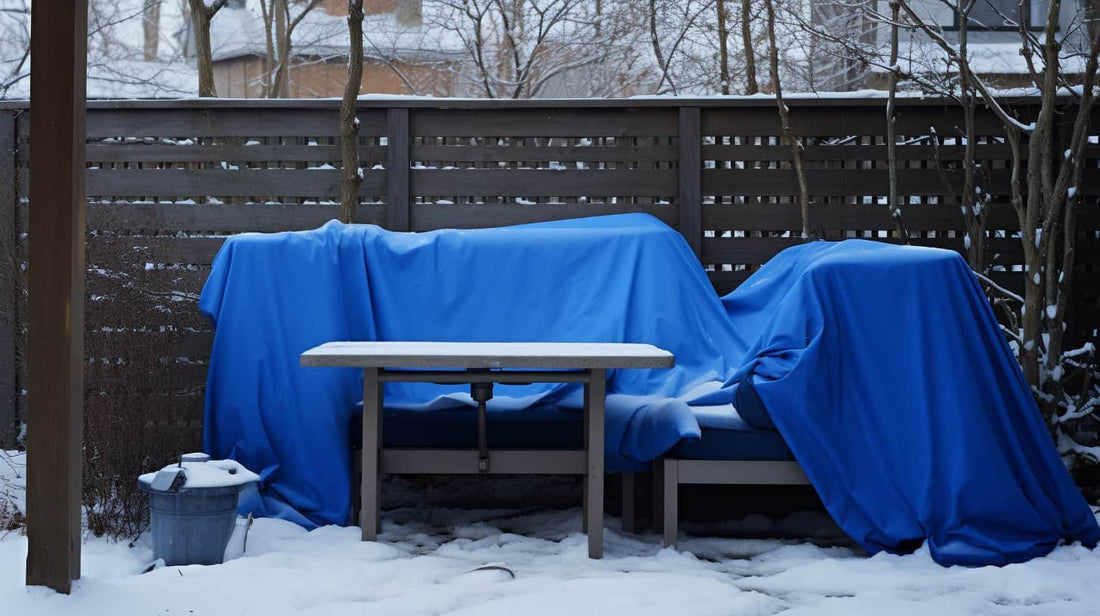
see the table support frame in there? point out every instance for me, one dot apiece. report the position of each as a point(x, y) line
point(588, 462)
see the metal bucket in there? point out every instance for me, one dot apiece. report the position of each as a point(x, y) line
point(191, 526)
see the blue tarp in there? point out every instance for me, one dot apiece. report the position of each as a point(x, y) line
point(881, 366)
point(609, 279)
point(884, 369)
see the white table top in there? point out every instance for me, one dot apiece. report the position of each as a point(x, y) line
point(450, 355)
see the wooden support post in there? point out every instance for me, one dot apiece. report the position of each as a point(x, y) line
point(690, 199)
point(55, 341)
point(9, 264)
point(397, 169)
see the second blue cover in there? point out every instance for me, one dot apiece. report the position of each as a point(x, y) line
point(886, 372)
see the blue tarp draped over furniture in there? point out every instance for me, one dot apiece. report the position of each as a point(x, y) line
point(882, 367)
point(885, 371)
point(608, 279)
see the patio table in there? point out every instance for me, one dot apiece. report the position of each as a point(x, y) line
point(480, 364)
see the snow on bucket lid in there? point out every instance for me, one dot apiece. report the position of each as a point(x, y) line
point(203, 474)
point(197, 456)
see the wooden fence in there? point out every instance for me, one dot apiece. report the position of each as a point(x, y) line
point(168, 181)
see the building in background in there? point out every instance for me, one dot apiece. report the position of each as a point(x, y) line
point(401, 55)
point(993, 40)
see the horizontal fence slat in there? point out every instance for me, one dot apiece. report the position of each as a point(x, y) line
point(855, 152)
point(162, 123)
point(102, 152)
point(836, 182)
point(156, 250)
point(548, 153)
point(174, 376)
point(226, 182)
point(428, 217)
point(180, 411)
point(125, 312)
point(543, 182)
point(223, 218)
point(787, 216)
point(623, 122)
point(120, 344)
point(838, 121)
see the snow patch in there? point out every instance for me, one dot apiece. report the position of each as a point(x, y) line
point(428, 562)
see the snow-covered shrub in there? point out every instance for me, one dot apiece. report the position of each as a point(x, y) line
point(1068, 394)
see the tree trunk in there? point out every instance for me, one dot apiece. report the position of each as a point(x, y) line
point(1035, 230)
point(267, 7)
point(349, 125)
point(655, 41)
point(891, 126)
point(751, 86)
point(281, 86)
point(785, 121)
point(723, 48)
point(151, 28)
point(973, 215)
point(200, 18)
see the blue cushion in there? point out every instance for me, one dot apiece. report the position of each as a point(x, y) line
point(726, 436)
point(750, 407)
point(545, 427)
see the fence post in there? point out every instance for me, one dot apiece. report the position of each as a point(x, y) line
point(397, 169)
point(691, 169)
point(9, 261)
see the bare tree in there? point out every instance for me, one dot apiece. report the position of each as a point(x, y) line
point(150, 21)
point(517, 48)
point(891, 125)
point(830, 63)
point(115, 60)
point(279, 26)
point(202, 12)
point(15, 42)
point(350, 174)
point(677, 30)
point(1044, 197)
point(797, 150)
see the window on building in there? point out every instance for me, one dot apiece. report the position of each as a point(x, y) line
point(991, 14)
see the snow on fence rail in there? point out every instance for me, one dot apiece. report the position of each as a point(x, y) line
point(167, 181)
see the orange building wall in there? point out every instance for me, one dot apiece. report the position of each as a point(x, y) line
point(370, 7)
point(240, 78)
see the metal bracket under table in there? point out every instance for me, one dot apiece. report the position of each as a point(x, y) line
point(481, 365)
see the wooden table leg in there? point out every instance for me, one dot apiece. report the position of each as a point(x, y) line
point(370, 495)
point(670, 498)
point(594, 392)
point(584, 439)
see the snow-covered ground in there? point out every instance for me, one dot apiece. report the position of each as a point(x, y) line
point(428, 560)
